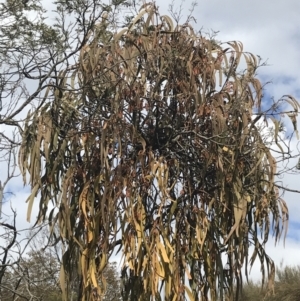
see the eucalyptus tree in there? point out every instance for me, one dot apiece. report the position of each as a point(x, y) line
point(153, 144)
point(38, 40)
point(35, 276)
point(36, 45)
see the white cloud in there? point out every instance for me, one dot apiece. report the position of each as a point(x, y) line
point(266, 28)
point(289, 255)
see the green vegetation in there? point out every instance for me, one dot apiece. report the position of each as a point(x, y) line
point(286, 287)
point(36, 275)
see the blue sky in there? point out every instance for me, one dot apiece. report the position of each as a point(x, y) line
point(270, 29)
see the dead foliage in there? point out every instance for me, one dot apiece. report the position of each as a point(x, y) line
point(151, 146)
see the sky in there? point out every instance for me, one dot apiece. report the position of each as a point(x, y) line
point(270, 29)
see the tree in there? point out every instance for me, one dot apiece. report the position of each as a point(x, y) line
point(31, 51)
point(32, 55)
point(8, 236)
point(36, 275)
point(37, 278)
point(152, 143)
point(10, 247)
point(34, 278)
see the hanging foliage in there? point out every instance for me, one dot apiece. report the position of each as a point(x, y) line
point(151, 148)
